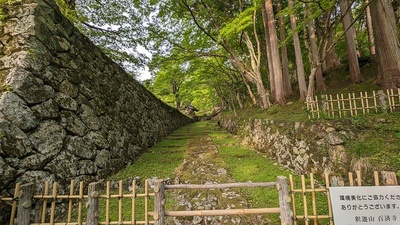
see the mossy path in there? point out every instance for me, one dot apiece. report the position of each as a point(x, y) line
point(202, 153)
point(204, 165)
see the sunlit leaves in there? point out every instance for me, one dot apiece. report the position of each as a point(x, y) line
point(244, 20)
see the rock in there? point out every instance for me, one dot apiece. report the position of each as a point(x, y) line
point(103, 158)
point(14, 143)
point(66, 102)
point(79, 147)
point(15, 109)
point(46, 110)
point(333, 139)
point(90, 118)
point(31, 89)
point(48, 138)
point(72, 123)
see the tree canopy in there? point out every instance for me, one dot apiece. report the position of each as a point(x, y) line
point(232, 53)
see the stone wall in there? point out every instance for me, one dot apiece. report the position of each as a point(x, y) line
point(302, 147)
point(66, 110)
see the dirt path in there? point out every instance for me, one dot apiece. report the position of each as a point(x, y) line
point(203, 165)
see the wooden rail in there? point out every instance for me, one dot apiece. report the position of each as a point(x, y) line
point(281, 184)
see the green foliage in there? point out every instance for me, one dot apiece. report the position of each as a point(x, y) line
point(238, 24)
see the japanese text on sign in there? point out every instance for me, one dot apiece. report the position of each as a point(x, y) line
point(365, 205)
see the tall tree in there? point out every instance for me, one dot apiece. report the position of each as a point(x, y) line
point(285, 62)
point(370, 29)
point(268, 53)
point(316, 65)
point(354, 68)
point(299, 57)
point(331, 58)
point(387, 44)
point(273, 38)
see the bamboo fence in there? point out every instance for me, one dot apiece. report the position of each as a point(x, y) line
point(305, 206)
point(77, 203)
point(311, 196)
point(340, 105)
point(281, 184)
point(83, 209)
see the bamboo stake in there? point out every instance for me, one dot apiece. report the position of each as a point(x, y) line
point(146, 202)
point(331, 101)
point(53, 203)
point(375, 105)
point(313, 202)
point(327, 185)
point(80, 203)
point(108, 203)
point(355, 104)
point(293, 199)
point(351, 107)
point(120, 196)
point(376, 178)
point(133, 200)
point(338, 103)
point(312, 107)
point(343, 106)
point(316, 101)
point(308, 107)
point(358, 172)
point(366, 95)
point(303, 186)
point(71, 192)
point(44, 207)
point(389, 100)
point(398, 94)
point(362, 102)
point(394, 105)
point(351, 180)
point(14, 204)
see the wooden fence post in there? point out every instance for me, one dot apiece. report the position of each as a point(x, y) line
point(284, 199)
point(93, 205)
point(159, 202)
point(25, 203)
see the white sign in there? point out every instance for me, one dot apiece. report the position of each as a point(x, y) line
point(376, 205)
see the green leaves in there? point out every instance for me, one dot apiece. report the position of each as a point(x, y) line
point(237, 25)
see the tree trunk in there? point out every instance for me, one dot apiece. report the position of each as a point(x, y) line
point(315, 58)
point(175, 92)
point(331, 61)
point(299, 58)
point(370, 29)
point(253, 98)
point(256, 73)
point(354, 67)
point(387, 44)
point(269, 54)
point(285, 62)
point(273, 38)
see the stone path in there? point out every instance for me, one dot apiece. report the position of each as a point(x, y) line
point(203, 165)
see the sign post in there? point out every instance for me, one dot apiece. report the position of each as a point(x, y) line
point(375, 205)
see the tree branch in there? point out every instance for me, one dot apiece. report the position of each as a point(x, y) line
point(99, 28)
